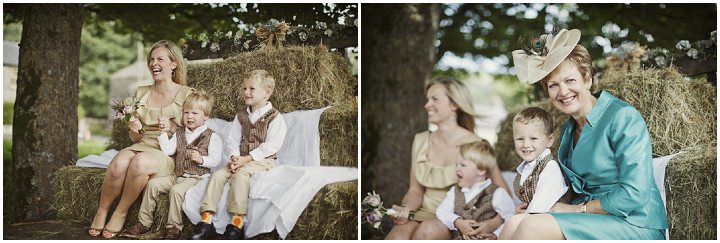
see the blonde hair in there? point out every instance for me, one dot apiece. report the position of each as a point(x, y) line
point(582, 60)
point(535, 114)
point(175, 55)
point(201, 100)
point(264, 77)
point(460, 96)
point(481, 153)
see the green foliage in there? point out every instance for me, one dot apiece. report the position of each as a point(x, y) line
point(12, 32)
point(102, 52)
point(492, 30)
point(8, 195)
point(8, 109)
point(174, 21)
point(89, 147)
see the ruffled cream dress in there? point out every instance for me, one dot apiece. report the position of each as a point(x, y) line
point(149, 118)
point(437, 180)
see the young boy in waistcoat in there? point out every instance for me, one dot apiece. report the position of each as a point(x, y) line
point(257, 134)
point(474, 198)
point(197, 150)
point(540, 182)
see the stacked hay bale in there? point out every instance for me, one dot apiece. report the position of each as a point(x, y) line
point(681, 116)
point(305, 78)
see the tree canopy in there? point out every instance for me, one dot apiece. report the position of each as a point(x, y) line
point(493, 30)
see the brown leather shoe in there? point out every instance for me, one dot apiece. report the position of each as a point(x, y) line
point(171, 233)
point(136, 230)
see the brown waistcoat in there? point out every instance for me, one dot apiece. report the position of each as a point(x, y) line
point(183, 163)
point(255, 134)
point(480, 208)
point(526, 191)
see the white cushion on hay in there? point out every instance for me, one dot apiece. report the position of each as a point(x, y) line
point(659, 165)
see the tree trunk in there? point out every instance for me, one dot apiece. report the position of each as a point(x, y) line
point(398, 57)
point(45, 121)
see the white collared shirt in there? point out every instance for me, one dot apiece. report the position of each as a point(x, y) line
point(501, 202)
point(273, 142)
point(550, 186)
point(214, 157)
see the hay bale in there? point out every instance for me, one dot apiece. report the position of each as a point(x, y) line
point(119, 138)
point(507, 158)
point(315, 223)
point(77, 196)
point(691, 192)
point(305, 78)
point(680, 113)
point(332, 214)
point(338, 136)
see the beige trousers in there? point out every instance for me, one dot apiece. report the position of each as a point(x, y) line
point(237, 199)
point(175, 187)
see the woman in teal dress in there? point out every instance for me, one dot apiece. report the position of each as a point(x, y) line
point(605, 153)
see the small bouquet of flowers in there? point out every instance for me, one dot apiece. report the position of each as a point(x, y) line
point(125, 108)
point(374, 211)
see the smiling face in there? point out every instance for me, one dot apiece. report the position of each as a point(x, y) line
point(255, 93)
point(468, 173)
point(439, 106)
point(194, 117)
point(530, 139)
point(160, 65)
point(569, 91)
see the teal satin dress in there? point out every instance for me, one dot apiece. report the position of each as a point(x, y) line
point(612, 162)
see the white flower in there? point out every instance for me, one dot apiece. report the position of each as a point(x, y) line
point(303, 36)
point(246, 45)
point(214, 47)
point(228, 34)
point(355, 22)
point(713, 36)
point(322, 25)
point(660, 61)
point(128, 109)
point(692, 53)
point(328, 32)
point(274, 22)
point(372, 199)
point(683, 45)
point(204, 44)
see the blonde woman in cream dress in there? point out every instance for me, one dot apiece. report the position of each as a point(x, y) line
point(434, 154)
point(160, 106)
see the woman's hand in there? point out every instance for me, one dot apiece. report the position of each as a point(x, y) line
point(402, 215)
point(164, 123)
point(134, 124)
point(565, 208)
point(521, 209)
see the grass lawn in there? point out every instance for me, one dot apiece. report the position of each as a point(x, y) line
point(84, 148)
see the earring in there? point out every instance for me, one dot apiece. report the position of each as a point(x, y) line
point(173, 73)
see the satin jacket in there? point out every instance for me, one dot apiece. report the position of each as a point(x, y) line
point(612, 162)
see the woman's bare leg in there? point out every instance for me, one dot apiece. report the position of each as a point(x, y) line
point(403, 231)
point(432, 230)
point(112, 186)
point(538, 227)
point(142, 166)
point(511, 226)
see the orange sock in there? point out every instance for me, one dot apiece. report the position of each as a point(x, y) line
point(237, 220)
point(206, 217)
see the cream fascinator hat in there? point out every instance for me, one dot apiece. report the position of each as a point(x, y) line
point(545, 54)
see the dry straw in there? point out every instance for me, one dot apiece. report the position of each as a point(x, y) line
point(691, 192)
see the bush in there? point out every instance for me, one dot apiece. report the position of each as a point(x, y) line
point(8, 113)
